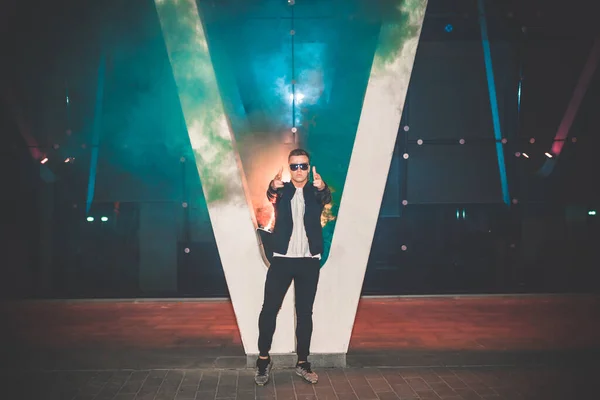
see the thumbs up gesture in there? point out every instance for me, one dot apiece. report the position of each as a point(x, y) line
point(317, 181)
point(277, 183)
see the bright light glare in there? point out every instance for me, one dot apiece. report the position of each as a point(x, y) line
point(299, 97)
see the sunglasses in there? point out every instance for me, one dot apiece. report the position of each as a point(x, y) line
point(294, 167)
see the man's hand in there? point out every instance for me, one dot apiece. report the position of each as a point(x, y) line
point(317, 181)
point(277, 183)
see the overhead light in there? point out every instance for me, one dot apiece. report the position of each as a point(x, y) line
point(592, 212)
point(104, 219)
point(525, 155)
point(90, 219)
point(548, 155)
point(44, 160)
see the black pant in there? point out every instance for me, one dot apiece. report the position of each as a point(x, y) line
point(305, 273)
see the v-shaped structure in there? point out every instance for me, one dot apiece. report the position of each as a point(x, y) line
point(223, 180)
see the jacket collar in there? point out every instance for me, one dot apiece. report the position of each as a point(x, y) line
point(306, 187)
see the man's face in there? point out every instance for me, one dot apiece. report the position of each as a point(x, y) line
point(299, 175)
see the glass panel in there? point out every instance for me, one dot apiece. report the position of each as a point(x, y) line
point(439, 173)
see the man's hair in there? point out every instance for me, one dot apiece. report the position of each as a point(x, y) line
point(299, 152)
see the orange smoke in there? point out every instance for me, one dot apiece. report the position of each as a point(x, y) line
point(327, 215)
point(262, 160)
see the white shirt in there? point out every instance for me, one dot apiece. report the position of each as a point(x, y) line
point(298, 246)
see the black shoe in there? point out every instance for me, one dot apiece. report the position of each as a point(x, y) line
point(263, 369)
point(304, 370)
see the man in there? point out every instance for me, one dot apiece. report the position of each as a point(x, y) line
point(297, 242)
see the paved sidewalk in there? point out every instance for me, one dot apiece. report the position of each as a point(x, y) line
point(510, 383)
point(478, 347)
